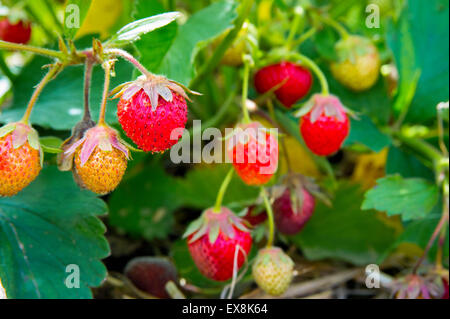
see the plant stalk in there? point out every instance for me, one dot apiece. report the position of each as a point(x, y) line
point(107, 67)
point(125, 55)
point(47, 78)
point(245, 112)
point(222, 190)
point(23, 47)
point(317, 71)
point(269, 217)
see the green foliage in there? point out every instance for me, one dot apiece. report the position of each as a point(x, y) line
point(176, 51)
point(412, 198)
point(76, 11)
point(344, 231)
point(420, 43)
point(50, 225)
point(365, 132)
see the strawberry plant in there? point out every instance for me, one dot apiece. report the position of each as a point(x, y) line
point(224, 149)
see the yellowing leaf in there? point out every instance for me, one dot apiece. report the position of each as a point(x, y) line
point(101, 16)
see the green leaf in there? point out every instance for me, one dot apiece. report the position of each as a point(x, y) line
point(411, 198)
point(51, 144)
point(143, 205)
point(401, 162)
point(74, 14)
point(344, 231)
point(172, 53)
point(200, 186)
point(46, 227)
point(365, 132)
point(134, 30)
point(60, 106)
point(419, 232)
point(420, 42)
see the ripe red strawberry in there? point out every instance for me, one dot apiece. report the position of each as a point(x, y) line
point(19, 32)
point(100, 159)
point(292, 210)
point(253, 150)
point(152, 112)
point(151, 274)
point(20, 158)
point(445, 284)
point(219, 243)
point(295, 81)
point(325, 126)
point(273, 270)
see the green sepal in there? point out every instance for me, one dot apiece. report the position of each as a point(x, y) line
point(8, 128)
point(213, 233)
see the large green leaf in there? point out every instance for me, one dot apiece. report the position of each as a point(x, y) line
point(411, 198)
point(365, 132)
point(344, 231)
point(420, 42)
point(60, 105)
point(419, 232)
point(48, 226)
point(176, 52)
point(143, 205)
point(407, 165)
point(199, 188)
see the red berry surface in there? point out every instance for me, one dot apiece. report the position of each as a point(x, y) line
point(19, 32)
point(325, 127)
point(151, 129)
point(298, 81)
point(254, 154)
point(216, 261)
point(287, 219)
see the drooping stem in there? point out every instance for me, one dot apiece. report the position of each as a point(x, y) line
point(47, 78)
point(270, 218)
point(225, 44)
point(107, 67)
point(335, 25)
point(23, 47)
point(305, 36)
point(124, 54)
point(222, 190)
point(245, 112)
point(317, 71)
point(87, 85)
point(442, 222)
point(441, 108)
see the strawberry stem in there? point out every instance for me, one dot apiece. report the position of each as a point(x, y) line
point(22, 47)
point(222, 190)
point(335, 25)
point(107, 67)
point(246, 118)
point(299, 14)
point(270, 218)
point(317, 71)
point(87, 85)
point(125, 55)
point(47, 78)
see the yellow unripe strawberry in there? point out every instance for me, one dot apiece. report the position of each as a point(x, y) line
point(100, 160)
point(358, 65)
point(20, 158)
point(273, 270)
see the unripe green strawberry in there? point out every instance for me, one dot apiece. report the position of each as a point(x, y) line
point(20, 158)
point(358, 64)
point(273, 270)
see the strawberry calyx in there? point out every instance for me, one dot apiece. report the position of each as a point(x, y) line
point(244, 133)
point(351, 47)
point(22, 133)
point(328, 105)
point(100, 136)
point(153, 86)
point(211, 223)
point(275, 255)
point(414, 286)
